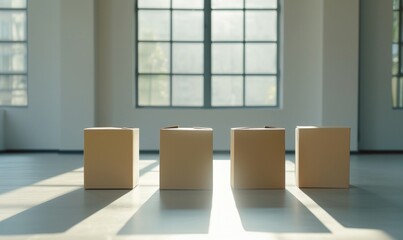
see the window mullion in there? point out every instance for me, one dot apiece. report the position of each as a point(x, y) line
point(207, 54)
point(244, 55)
point(399, 52)
point(399, 86)
point(170, 55)
point(278, 55)
point(399, 40)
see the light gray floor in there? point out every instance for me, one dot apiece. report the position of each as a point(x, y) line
point(42, 197)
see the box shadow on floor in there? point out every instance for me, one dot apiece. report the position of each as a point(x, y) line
point(61, 213)
point(275, 211)
point(172, 212)
point(361, 208)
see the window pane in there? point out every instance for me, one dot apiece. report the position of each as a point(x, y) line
point(261, 25)
point(13, 58)
point(187, 58)
point(153, 3)
point(227, 58)
point(261, 91)
point(395, 4)
point(395, 59)
point(187, 90)
point(13, 90)
point(153, 90)
point(227, 25)
point(187, 25)
point(261, 58)
point(12, 25)
point(154, 25)
point(226, 4)
point(401, 92)
point(13, 3)
point(395, 27)
point(401, 32)
point(401, 57)
point(227, 91)
point(261, 4)
point(153, 57)
point(192, 4)
point(394, 92)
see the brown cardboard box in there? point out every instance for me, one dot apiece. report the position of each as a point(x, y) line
point(111, 158)
point(258, 158)
point(322, 157)
point(186, 158)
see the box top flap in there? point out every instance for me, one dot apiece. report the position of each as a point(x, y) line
point(176, 127)
point(321, 127)
point(109, 128)
point(172, 126)
point(258, 128)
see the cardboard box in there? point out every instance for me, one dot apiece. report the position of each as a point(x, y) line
point(322, 157)
point(186, 158)
point(258, 158)
point(111, 158)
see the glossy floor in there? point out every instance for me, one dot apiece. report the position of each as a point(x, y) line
point(42, 197)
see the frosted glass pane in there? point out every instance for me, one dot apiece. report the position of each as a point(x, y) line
point(154, 25)
point(261, 3)
point(395, 4)
point(187, 58)
point(227, 58)
point(12, 25)
point(13, 90)
point(191, 4)
point(153, 90)
point(153, 57)
point(227, 25)
point(187, 90)
point(401, 58)
point(188, 25)
point(401, 93)
point(394, 91)
point(227, 91)
point(226, 4)
point(395, 27)
point(395, 58)
point(13, 82)
point(153, 3)
point(260, 91)
point(261, 58)
point(13, 3)
point(261, 25)
point(13, 58)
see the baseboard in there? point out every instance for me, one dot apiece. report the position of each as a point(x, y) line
point(157, 151)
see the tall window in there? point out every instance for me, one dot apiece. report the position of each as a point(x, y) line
point(397, 52)
point(13, 53)
point(211, 53)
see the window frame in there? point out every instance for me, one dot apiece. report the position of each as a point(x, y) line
point(25, 43)
point(397, 75)
point(207, 46)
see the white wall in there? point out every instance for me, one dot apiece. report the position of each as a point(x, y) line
point(302, 76)
point(77, 76)
point(60, 77)
point(38, 125)
point(66, 94)
point(340, 65)
point(380, 125)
